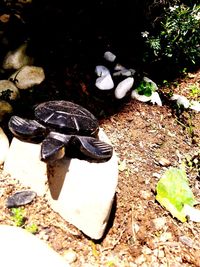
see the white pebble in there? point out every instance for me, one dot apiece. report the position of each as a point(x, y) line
point(123, 72)
point(104, 82)
point(195, 105)
point(123, 87)
point(119, 67)
point(70, 256)
point(155, 99)
point(101, 70)
point(181, 100)
point(109, 56)
point(142, 98)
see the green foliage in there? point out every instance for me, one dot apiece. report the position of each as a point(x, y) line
point(173, 192)
point(177, 36)
point(32, 228)
point(18, 216)
point(195, 90)
point(145, 88)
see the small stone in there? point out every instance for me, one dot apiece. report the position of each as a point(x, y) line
point(159, 223)
point(155, 99)
point(145, 194)
point(186, 241)
point(123, 87)
point(140, 259)
point(181, 100)
point(104, 82)
point(5, 108)
point(166, 236)
point(119, 67)
point(109, 56)
point(123, 72)
point(164, 162)
point(20, 198)
point(195, 105)
point(70, 256)
point(8, 90)
point(17, 58)
point(139, 97)
point(133, 71)
point(4, 146)
point(101, 70)
point(28, 76)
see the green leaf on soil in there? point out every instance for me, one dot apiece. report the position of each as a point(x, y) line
point(173, 192)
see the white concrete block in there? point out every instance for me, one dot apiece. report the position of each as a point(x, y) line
point(82, 192)
point(22, 162)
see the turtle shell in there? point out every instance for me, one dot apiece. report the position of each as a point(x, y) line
point(67, 117)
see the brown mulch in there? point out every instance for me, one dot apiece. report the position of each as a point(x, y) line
point(148, 139)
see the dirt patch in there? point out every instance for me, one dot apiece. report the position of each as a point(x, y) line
point(147, 139)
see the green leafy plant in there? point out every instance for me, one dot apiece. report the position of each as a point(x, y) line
point(175, 36)
point(18, 216)
point(32, 228)
point(173, 192)
point(145, 88)
point(194, 90)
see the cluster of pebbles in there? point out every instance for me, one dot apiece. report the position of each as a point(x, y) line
point(121, 80)
point(24, 76)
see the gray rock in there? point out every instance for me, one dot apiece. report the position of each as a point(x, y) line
point(17, 58)
point(123, 87)
point(28, 76)
point(20, 248)
point(8, 89)
point(20, 198)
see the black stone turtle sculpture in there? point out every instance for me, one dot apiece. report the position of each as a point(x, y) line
point(64, 128)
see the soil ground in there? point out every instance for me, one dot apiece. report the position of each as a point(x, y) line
point(148, 139)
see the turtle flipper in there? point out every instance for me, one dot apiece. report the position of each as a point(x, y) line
point(27, 130)
point(53, 146)
point(52, 149)
point(94, 148)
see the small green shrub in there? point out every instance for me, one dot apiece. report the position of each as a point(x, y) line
point(145, 88)
point(18, 216)
point(176, 36)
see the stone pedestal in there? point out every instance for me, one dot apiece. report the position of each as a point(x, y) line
point(82, 192)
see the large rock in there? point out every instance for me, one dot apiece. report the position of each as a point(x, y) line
point(82, 192)
point(22, 162)
point(4, 146)
point(8, 89)
point(27, 77)
point(17, 58)
point(20, 248)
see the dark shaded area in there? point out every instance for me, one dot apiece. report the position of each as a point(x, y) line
point(68, 39)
